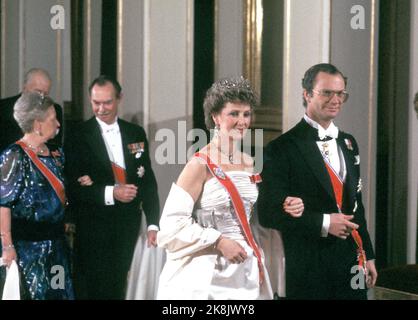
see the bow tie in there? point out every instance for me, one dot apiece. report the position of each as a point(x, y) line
point(326, 138)
point(111, 129)
point(328, 134)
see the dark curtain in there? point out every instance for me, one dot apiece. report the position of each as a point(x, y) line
point(108, 56)
point(74, 112)
point(392, 145)
point(204, 41)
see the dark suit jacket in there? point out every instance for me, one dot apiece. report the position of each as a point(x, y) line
point(10, 131)
point(294, 167)
point(106, 235)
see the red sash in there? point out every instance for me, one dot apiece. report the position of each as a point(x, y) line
point(55, 183)
point(338, 187)
point(119, 173)
point(238, 206)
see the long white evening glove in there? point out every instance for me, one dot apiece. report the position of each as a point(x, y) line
point(179, 233)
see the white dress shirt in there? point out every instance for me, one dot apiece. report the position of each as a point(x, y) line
point(332, 154)
point(113, 141)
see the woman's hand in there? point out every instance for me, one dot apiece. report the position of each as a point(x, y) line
point(231, 250)
point(293, 206)
point(85, 181)
point(9, 254)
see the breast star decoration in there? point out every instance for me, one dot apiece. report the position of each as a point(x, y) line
point(140, 171)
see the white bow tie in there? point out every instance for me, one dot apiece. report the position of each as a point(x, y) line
point(113, 128)
point(332, 132)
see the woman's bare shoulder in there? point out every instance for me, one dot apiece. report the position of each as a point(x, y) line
point(193, 177)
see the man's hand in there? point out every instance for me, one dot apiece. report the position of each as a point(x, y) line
point(85, 181)
point(125, 192)
point(152, 238)
point(293, 206)
point(371, 276)
point(340, 225)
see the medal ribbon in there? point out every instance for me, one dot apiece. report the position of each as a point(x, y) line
point(338, 188)
point(239, 209)
point(119, 173)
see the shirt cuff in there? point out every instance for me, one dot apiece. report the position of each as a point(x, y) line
point(325, 225)
point(153, 227)
point(109, 200)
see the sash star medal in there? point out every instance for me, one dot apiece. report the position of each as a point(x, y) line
point(359, 185)
point(140, 171)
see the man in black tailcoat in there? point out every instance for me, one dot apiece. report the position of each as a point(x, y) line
point(320, 164)
point(36, 80)
point(110, 180)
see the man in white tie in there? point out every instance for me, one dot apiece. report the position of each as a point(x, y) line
point(328, 250)
point(110, 180)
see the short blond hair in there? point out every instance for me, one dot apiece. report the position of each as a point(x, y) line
point(29, 107)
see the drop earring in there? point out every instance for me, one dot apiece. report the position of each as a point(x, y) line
point(216, 131)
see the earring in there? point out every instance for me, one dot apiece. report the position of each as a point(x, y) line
point(216, 131)
point(39, 133)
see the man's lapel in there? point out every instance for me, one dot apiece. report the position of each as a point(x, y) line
point(350, 181)
point(305, 139)
point(129, 159)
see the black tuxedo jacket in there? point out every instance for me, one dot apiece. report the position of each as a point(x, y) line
point(106, 235)
point(10, 131)
point(294, 167)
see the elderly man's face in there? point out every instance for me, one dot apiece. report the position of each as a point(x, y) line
point(104, 102)
point(38, 83)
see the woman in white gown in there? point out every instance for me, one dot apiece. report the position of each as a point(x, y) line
point(211, 253)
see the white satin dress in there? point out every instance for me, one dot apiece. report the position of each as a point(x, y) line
point(188, 232)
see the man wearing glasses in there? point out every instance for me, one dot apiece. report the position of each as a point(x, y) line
point(328, 250)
